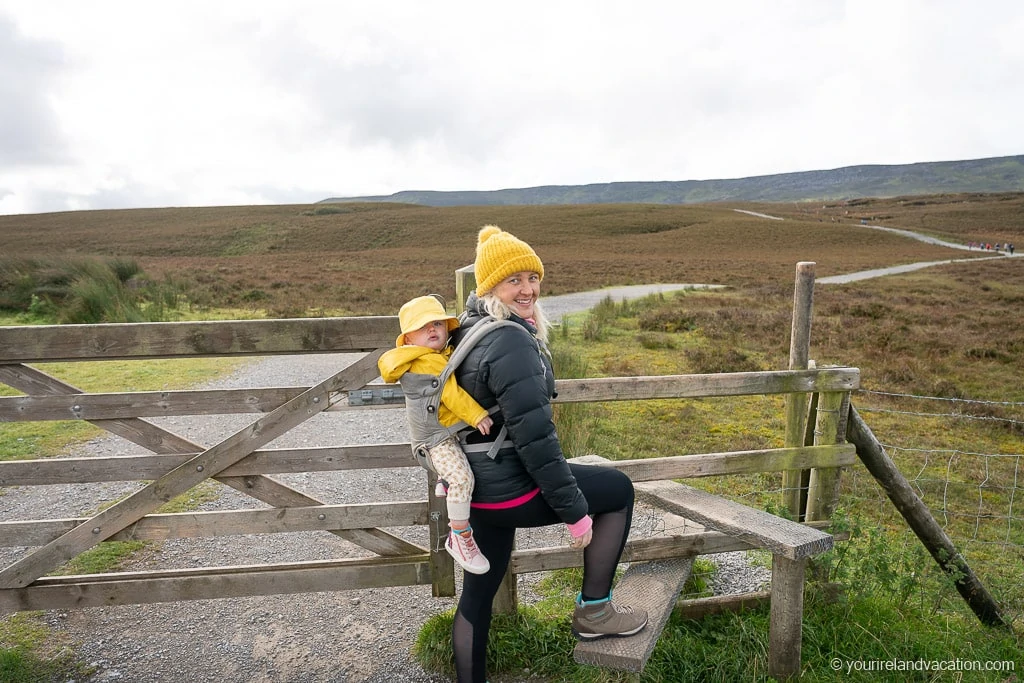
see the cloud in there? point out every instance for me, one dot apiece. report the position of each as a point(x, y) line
point(29, 131)
point(266, 102)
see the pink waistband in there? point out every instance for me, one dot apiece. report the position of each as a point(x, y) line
point(508, 503)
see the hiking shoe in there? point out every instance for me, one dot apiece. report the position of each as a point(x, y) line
point(463, 548)
point(603, 619)
point(440, 491)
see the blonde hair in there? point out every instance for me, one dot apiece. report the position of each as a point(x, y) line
point(494, 306)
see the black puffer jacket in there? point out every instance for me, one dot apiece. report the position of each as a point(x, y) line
point(507, 368)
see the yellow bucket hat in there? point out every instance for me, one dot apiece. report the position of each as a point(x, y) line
point(417, 312)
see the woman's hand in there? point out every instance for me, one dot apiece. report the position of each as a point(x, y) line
point(580, 542)
point(484, 425)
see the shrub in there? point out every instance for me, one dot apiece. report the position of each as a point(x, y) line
point(718, 359)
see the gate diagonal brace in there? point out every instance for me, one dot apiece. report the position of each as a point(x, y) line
point(159, 440)
point(206, 464)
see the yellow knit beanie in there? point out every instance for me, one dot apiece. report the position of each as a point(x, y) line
point(498, 255)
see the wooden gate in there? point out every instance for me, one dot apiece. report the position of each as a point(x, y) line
point(174, 464)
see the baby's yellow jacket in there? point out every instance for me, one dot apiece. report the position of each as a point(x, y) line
point(456, 403)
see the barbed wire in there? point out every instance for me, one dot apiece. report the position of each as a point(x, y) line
point(962, 416)
point(941, 398)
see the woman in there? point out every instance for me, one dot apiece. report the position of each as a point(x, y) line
point(529, 483)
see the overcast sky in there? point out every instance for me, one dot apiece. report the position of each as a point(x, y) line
point(111, 104)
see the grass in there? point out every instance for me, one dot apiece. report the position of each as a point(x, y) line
point(30, 652)
point(870, 618)
point(949, 332)
point(27, 440)
point(287, 260)
point(878, 597)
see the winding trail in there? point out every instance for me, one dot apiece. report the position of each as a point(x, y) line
point(894, 270)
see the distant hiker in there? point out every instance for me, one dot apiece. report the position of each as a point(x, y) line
point(529, 483)
point(420, 354)
point(1010, 248)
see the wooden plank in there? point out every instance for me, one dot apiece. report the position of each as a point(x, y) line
point(653, 586)
point(159, 440)
point(823, 483)
point(34, 381)
point(698, 608)
point(337, 458)
point(760, 529)
point(793, 486)
point(280, 495)
point(73, 592)
point(120, 405)
point(703, 386)
point(47, 471)
point(160, 527)
point(785, 629)
point(121, 341)
point(920, 519)
point(108, 406)
point(442, 565)
point(179, 480)
point(737, 462)
point(637, 550)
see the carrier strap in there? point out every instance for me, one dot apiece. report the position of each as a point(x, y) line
point(486, 325)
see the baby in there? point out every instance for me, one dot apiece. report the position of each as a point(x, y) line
point(422, 349)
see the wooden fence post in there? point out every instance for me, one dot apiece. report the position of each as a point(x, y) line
point(796, 404)
point(442, 565)
point(920, 519)
point(506, 601)
point(823, 486)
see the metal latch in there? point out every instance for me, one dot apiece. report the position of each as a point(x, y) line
point(376, 396)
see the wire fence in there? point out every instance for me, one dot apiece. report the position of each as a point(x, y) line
point(966, 463)
point(976, 495)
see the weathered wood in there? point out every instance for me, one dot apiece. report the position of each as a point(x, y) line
point(920, 519)
point(465, 282)
point(34, 381)
point(785, 629)
point(506, 600)
point(179, 480)
point(823, 486)
point(796, 403)
point(685, 544)
point(442, 565)
point(652, 586)
point(283, 496)
point(139, 467)
point(129, 588)
point(159, 440)
point(704, 386)
point(698, 608)
point(336, 458)
point(160, 527)
point(145, 404)
point(120, 341)
point(760, 529)
point(737, 462)
point(122, 405)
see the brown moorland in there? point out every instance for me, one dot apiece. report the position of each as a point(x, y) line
point(368, 258)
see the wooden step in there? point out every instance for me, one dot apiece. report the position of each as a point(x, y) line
point(653, 586)
point(760, 529)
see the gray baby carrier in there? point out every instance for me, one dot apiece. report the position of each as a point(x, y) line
point(423, 398)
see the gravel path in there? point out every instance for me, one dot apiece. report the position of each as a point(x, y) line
point(358, 635)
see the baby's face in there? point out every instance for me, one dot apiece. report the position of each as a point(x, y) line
point(433, 335)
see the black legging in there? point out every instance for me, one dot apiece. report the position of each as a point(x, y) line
point(609, 494)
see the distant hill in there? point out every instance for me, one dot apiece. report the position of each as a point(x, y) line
point(998, 174)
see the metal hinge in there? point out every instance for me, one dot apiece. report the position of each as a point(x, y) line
point(376, 396)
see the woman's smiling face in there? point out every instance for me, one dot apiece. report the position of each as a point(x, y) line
point(519, 291)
